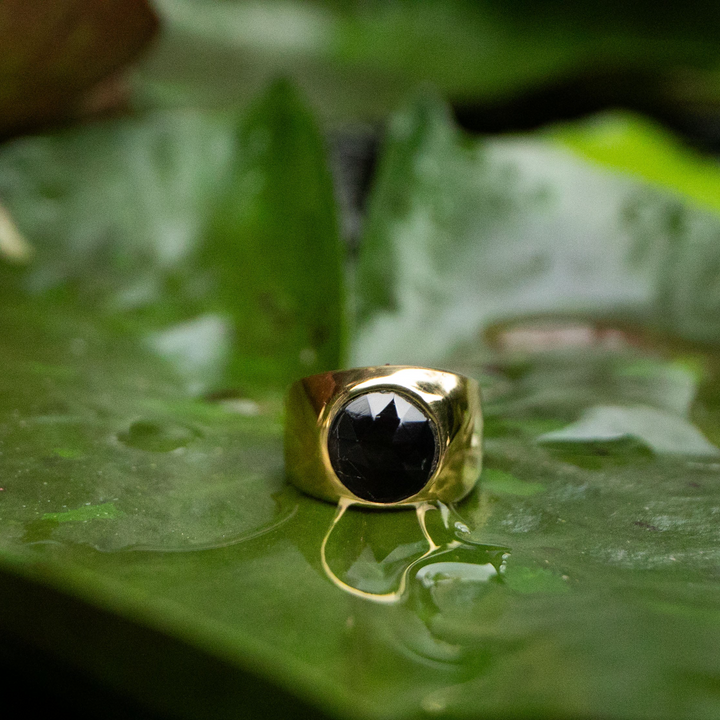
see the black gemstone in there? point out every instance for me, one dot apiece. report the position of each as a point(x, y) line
point(383, 447)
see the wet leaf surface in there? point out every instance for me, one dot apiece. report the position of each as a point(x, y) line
point(579, 580)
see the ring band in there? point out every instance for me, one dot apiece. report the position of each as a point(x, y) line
point(386, 436)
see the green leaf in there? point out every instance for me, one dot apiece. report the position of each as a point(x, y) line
point(194, 231)
point(148, 240)
point(632, 144)
point(461, 235)
point(282, 275)
point(499, 481)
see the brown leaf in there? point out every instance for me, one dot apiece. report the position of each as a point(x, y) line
point(53, 53)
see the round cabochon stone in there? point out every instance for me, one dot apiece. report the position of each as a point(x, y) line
point(383, 446)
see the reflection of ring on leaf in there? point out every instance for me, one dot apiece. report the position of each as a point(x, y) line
point(446, 554)
point(385, 436)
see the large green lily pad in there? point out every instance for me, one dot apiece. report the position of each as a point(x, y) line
point(149, 540)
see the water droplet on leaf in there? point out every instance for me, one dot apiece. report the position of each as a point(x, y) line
point(155, 436)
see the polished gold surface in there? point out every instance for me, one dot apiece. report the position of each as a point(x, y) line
point(451, 401)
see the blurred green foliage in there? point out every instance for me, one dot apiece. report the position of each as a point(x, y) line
point(358, 59)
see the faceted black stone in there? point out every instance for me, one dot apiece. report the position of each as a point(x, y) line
point(383, 447)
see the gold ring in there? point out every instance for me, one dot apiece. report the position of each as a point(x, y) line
point(387, 436)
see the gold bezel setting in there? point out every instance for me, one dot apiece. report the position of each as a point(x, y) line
point(450, 401)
